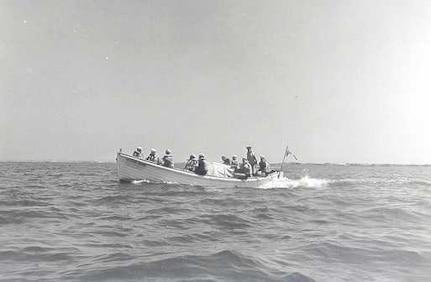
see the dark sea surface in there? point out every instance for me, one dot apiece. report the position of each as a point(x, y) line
point(76, 222)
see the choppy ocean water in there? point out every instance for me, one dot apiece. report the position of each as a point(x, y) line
point(76, 222)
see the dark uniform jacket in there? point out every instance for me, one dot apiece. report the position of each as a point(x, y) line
point(202, 168)
point(152, 158)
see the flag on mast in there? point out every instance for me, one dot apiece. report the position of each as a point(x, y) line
point(287, 153)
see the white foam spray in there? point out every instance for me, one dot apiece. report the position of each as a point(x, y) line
point(138, 182)
point(305, 181)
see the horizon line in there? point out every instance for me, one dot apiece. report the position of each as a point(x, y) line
point(279, 163)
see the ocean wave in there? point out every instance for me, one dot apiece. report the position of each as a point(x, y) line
point(38, 253)
point(338, 252)
point(337, 223)
point(419, 183)
point(226, 221)
point(374, 181)
point(29, 215)
point(386, 214)
point(345, 182)
point(112, 199)
point(25, 203)
point(225, 265)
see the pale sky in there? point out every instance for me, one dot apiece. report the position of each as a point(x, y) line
point(340, 81)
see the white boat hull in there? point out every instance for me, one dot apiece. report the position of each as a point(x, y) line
point(131, 169)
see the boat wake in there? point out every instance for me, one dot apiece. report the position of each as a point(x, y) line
point(305, 181)
point(138, 182)
point(281, 182)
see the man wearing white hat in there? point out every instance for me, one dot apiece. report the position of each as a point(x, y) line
point(168, 160)
point(152, 157)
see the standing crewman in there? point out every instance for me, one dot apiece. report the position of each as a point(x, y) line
point(251, 157)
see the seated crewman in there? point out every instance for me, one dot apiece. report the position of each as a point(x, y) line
point(168, 160)
point(246, 167)
point(225, 160)
point(191, 163)
point(202, 168)
point(138, 152)
point(152, 157)
point(264, 168)
point(234, 163)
